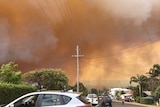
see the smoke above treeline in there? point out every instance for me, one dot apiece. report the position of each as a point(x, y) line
point(118, 39)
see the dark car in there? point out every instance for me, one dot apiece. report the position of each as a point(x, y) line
point(105, 101)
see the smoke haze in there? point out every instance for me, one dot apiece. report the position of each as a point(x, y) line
point(118, 39)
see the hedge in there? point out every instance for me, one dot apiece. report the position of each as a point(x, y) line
point(147, 100)
point(9, 92)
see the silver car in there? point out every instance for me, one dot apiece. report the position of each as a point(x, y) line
point(50, 99)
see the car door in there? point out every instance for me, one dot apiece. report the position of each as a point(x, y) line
point(25, 101)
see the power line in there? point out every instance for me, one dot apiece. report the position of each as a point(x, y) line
point(107, 69)
point(124, 51)
point(45, 14)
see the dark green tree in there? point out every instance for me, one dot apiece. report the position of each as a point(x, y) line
point(156, 93)
point(9, 73)
point(141, 80)
point(105, 91)
point(153, 83)
point(155, 71)
point(154, 77)
point(51, 79)
point(94, 90)
point(82, 88)
point(135, 91)
point(118, 94)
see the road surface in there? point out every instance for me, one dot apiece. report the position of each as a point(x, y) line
point(119, 104)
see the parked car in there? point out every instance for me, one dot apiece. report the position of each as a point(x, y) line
point(105, 101)
point(92, 98)
point(128, 99)
point(51, 99)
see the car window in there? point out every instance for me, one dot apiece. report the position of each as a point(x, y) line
point(29, 101)
point(66, 99)
point(51, 100)
point(89, 96)
point(92, 96)
point(82, 99)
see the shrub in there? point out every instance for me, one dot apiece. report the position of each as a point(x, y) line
point(9, 92)
point(137, 99)
point(147, 100)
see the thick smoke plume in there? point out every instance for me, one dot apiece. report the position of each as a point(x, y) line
point(118, 39)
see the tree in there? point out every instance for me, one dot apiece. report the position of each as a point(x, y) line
point(135, 91)
point(105, 91)
point(153, 83)
point(9, 73)
point(141, 80)
point(82, 88)
point(48, 78)
point(94, 91)
point(118, 94)
point(155, 71)
point(156, 93)
point(154, 74)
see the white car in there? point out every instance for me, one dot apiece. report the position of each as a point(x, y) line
point(50, 99)
point(92, 98)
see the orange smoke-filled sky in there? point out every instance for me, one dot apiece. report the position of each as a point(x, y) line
point(118, 39)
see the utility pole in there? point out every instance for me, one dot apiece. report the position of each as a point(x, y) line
point(77, 56)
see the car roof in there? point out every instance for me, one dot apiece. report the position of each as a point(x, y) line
point(91, 94)
point(57, 92)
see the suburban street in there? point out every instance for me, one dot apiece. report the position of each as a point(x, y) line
point(119, 104)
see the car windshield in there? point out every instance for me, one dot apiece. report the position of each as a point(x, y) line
point(92, 96)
